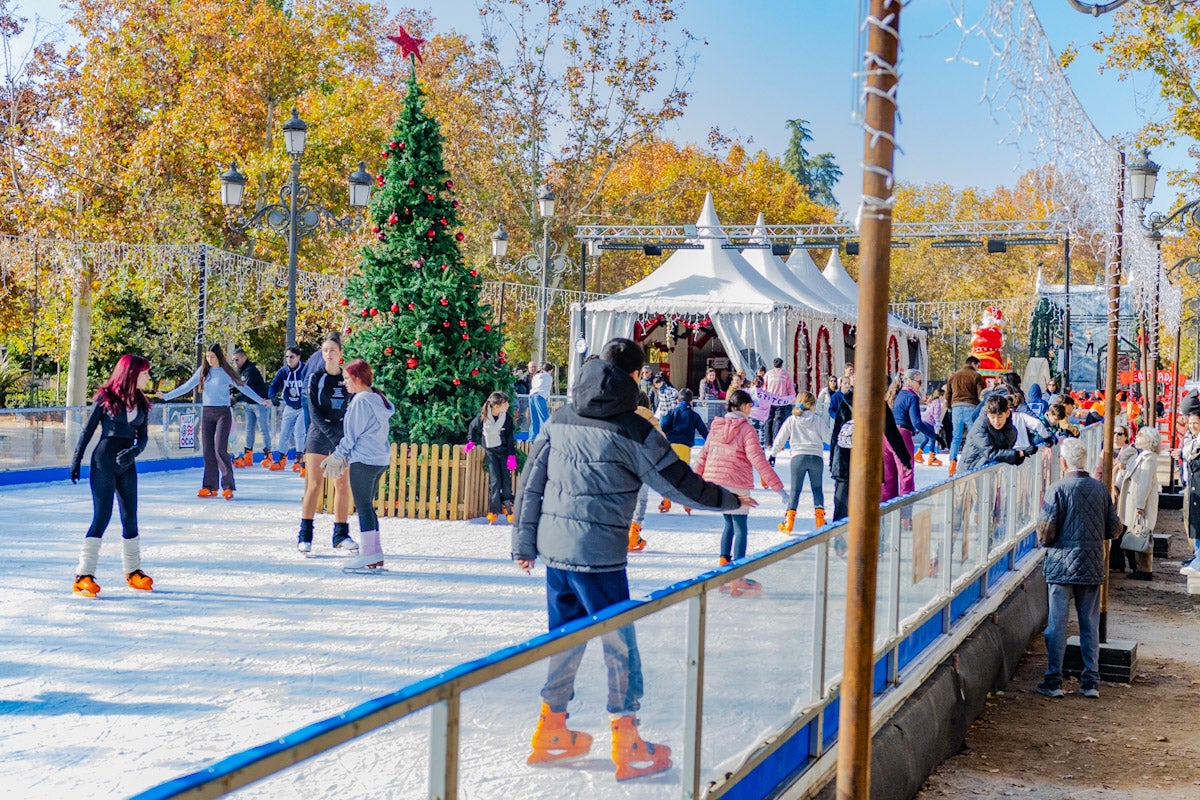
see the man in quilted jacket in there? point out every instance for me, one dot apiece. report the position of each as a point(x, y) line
point(1077, 519)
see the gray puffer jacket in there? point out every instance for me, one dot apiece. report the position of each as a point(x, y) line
point(580, 485)
point(1077, 517)
point(985, 444)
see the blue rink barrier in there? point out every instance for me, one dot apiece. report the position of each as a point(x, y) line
point(949, 556)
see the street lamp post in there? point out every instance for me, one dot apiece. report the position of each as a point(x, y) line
point(546, 210)
point(294, 216)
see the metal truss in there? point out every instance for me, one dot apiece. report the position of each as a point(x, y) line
point(606, 236)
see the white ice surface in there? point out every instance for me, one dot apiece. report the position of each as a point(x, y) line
point(243, 640)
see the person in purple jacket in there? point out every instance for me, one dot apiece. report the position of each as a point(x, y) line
point(906, 410)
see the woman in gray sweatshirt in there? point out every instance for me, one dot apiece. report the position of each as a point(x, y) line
point(365, 451)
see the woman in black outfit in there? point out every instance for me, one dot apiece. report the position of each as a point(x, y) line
point(493, 428)
point(327, 399)
point(120, 409)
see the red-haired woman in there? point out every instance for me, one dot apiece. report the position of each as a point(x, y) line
point(214, 380)
point(364, 450)
point(120, 410)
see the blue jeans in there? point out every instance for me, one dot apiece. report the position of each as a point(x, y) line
point(539, 412)
point(1087, 609)
point(258, 417)
point(736, 528)
point(292, 427)
point(928, 444)
point(575, 595)
point(813, 467)
point(961, 418)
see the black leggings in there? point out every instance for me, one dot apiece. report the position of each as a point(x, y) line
point(107, 479)
point(215, 422)
point(499, 480)
point(364, 482)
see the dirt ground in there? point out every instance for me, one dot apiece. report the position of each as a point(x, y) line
point(1136, 742)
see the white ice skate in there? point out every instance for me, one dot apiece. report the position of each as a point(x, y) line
point(304, 548)
point(365, 564)
point(347, 546)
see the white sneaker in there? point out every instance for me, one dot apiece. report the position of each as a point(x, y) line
point(347, 545)
point(304, 547)
point(1189, 570)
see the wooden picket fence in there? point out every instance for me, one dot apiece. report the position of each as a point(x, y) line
point(430, 481)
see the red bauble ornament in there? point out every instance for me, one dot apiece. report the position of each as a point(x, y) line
point(459, 236)
point(431, 233)
point(388, 351)
point(429, 197)
point(442, 221)
point(412, 182)
point(411, 306)
point(503, 360)
point(445, 267)
point(444, 301)
point(401, 145)
point(341, 361)
point(374, 312)
point(466, 337)
point(474, 372)
point(394, 145)
point(449, 184)
point(345, 301)
point(380, 179)
point(375, 229)
point(393, 219)
point(462, 323)
point(487, 327)
point(411, 362)
point(395, 307)
point(446, 324)
point(366, 312)
point(474, 273)
point(384, 154)
point(454, 204)
point(416, 343)
point(383, 237)
point(456, 381)
point(348, 330)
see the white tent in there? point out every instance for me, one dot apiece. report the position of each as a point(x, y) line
point(837, 276)
point(754, 318)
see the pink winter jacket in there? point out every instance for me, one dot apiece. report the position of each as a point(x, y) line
point(731, 454)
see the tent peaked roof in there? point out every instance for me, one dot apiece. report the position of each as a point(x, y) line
point(836, 274)
point(805, 269)
point(703, 281)
point(772, 268)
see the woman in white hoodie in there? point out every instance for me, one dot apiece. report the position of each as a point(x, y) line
point(807, 431)
point(365, 451)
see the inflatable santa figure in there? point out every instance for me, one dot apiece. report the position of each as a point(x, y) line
point(987, 340)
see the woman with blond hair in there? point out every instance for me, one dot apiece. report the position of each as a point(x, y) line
point(1138, 504)
point(805, 433)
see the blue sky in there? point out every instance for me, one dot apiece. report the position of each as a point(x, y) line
point(768, 61)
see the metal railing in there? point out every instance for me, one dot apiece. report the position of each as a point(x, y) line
point(39, 438)
point(736, 686)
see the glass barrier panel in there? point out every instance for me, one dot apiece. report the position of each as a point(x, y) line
point(392, 761)
point(890, 535)
point(968, 541)
point(757, 661)
point(923, 527)
point(1000, 492)
point(835, 607)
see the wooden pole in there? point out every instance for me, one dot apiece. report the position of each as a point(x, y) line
point(1111, 406)
point(870, 385)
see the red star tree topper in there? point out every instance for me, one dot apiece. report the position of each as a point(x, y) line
point(409, 45)
point(411, 281)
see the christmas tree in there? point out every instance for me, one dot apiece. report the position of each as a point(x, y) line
point(415, 310)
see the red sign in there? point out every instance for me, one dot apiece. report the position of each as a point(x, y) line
point(1137, 375)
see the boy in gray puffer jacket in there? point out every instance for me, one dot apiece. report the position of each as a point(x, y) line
point(576, 498)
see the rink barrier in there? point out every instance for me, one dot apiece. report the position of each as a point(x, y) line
point(972, 537)
point(430, 481)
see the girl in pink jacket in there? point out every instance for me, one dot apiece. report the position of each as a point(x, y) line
point(730, 455)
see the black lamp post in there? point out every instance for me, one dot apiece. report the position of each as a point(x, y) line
point(294, 216)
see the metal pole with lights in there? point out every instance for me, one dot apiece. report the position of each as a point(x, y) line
point(545, 200)
point(294, 216)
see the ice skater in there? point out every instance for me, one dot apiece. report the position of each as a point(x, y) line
point(575, 517)
point(805, 432)
point(327, 397)
point(120, 409)
point(729, 458)
point(288, 384)
point(364, 451)
point(213, 381)
point(493, 428)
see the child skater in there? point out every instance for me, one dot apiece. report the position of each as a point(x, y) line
point(120, 410)
point(364, 449)
point(493, 428)
point(214, 380)
point(730, 455)
point(807, 430)
point(327, 397)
